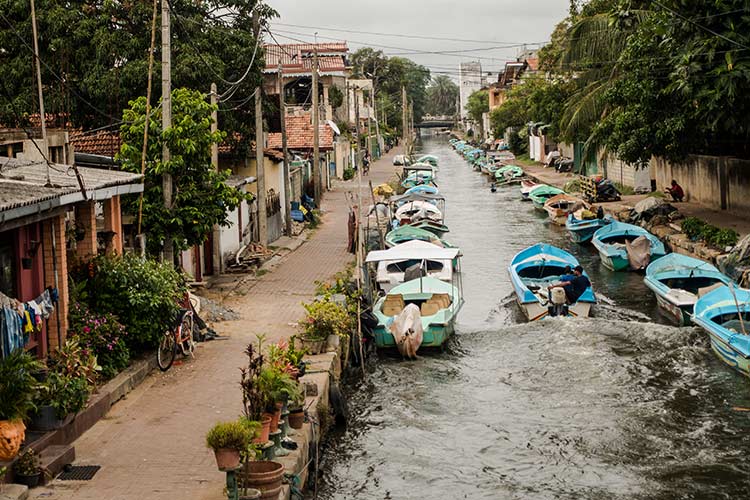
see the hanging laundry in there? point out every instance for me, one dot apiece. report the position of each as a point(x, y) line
point(11, 330)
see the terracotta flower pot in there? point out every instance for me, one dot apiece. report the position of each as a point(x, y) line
point(265, 476)
point(265, 430)
point(12, 434)
point(227, 458)
point(296, 418)
point(275, 416)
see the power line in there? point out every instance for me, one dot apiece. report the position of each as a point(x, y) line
point(705, 28)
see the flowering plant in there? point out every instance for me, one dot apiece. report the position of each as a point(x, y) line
point(101, 335)
point(325, 318)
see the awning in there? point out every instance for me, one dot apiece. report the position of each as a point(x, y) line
point(412, 251)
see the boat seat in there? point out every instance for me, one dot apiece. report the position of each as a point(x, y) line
point(703, 291)
point(443, 299)
point(429, 308)
point(393, 305)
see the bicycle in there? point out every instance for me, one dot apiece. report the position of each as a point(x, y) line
point(181, 335)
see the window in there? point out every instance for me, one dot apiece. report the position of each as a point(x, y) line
point(7, 266)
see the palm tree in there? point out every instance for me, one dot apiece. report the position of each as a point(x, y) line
point(442, 94)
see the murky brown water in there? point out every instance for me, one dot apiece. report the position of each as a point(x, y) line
point(617, 406)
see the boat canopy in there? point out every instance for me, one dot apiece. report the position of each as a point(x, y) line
point(413, 250)
point(419, 167)
point(417, 196)
point(425, 286)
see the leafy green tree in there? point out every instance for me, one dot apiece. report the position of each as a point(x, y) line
point(478, 104)
point(95, 56)
point(201, 196)
point(389, 74)
point(441, 96)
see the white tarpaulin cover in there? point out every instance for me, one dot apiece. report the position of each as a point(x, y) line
point(407, 331)
point(639, 252)
point(413, 250)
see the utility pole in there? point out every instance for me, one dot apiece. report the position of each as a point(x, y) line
point(166, 118)
point(377, 125)
point(42, 115)
point(316, 133)
point(404, 112)
point(218, 265)
point(285, 165)
point(259, 163)
point(356, 129)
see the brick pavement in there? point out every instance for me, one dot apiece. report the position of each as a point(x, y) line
point(151, 444)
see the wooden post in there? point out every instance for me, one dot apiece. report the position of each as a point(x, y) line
point(285, 165)
point(260, 171)
point(317, 178)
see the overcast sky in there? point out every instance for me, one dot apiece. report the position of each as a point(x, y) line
point(486, 24)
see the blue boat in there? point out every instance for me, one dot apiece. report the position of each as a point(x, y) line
point(725, 314)
point(612, 243)
point(422, 189)
point(678, 281)
point(537, 267)
point(582, 230)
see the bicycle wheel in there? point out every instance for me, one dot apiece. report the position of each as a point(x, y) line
point(166, 352)
point(186, 334)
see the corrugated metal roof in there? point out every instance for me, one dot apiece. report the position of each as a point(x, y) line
point(24, 182)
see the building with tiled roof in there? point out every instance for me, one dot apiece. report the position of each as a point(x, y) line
point(297, 59)
point(101, 142)
point(299, 133)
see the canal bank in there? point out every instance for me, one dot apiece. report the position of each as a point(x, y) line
point(617, 406)
point(151, 444)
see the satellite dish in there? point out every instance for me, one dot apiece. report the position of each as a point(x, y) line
point(333, 127)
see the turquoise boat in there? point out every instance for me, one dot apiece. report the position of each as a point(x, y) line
point(422, 189)
point(431, 159)
point(611, 243)
point(408, 233)
point(439, 304)
point(678, 281)
point(508, 173)
point(436, 228)
point(582, 230)
point(725, 315)
point(540, 195)
point(536, 267)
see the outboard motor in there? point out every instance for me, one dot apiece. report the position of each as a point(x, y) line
point(558, 305)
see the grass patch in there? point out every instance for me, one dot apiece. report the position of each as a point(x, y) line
point(624, 190)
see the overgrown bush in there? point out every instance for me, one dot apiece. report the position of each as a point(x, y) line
point(325, 318)
point(142, 294)
point(697, 229)
point(101, 334)
point(348, 173)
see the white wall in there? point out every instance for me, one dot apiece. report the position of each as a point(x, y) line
point(469, 81)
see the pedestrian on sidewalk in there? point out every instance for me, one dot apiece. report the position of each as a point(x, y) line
point(366, 162)
point(676, 191)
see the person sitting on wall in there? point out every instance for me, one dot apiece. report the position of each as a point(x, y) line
point(676, 191)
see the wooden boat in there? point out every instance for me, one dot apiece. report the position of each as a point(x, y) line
point(537, 267)
point(526, 187)
point(393, 264)
point(678, 281)
point(540, 195)
point(560, 206)
point(439, 304)
point(725, 314)
point(581, 230)
point(407, 233)
point(616, 245)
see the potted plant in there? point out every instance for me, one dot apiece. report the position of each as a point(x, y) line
point(18, 387)
point(296, 416)
point(229, 440)
point(254, 398)
point(26, 469)
point(278, 388)
point(324, 318)
point(59, 396)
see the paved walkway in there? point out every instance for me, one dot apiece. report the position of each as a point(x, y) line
point(151, 445)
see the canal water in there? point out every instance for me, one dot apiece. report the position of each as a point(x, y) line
point(620, 406)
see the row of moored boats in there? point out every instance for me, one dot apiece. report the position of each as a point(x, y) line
point(689, 290)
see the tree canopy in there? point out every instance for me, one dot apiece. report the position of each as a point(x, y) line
point(389, 74)
point(441, 96)
point(201, 197)
point(95, 56)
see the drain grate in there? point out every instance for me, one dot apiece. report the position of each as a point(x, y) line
point(79, 472)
